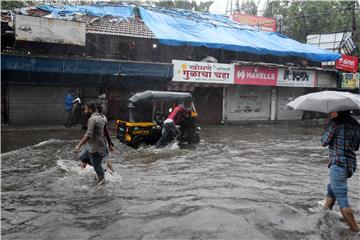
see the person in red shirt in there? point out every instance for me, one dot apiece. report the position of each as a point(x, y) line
point(169, 126)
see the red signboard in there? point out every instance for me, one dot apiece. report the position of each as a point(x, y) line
point(250, 75)
point(264, 24)
point(347, 63)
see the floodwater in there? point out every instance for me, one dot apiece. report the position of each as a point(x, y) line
point(240, 182)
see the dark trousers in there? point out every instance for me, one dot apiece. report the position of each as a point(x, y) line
point(96, 162)
point(168, 133)
point(69, 119)
point(93, 159)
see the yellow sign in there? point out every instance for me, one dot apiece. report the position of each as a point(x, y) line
point(349, 80)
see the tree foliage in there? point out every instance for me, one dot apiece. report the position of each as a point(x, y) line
point(310, 17)
point(12, 4)
point(184, 4)
point(249, 7)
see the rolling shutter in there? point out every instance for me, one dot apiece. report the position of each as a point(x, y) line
point(31, 104)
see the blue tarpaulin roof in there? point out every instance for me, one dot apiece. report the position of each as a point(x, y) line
point(182, 27)
point(93, 10)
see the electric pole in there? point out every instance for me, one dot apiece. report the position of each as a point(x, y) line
point(353, 21)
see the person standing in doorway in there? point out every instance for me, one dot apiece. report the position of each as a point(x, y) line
point(342, 136)
point(69, 100)
point(95, 137)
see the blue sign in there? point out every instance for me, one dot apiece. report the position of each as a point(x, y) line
point(79, 66)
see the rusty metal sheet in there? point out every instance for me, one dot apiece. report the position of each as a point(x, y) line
point(41, 29)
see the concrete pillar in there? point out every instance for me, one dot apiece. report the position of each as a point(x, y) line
point(223, 117)
point(274, 100)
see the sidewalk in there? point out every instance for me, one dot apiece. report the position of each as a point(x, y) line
point(21, 128)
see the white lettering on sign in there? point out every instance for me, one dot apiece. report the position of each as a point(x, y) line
point(190, 71)
point(255, 75)
point(348, 62)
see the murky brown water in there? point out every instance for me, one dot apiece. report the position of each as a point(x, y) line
point(253, 182)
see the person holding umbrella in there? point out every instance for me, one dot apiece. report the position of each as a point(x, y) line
point(342, 136)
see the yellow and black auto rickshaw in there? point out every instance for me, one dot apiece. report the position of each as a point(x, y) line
point(147, 112)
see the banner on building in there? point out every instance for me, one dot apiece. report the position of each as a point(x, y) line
point(347, 63)
point(296, 78)
point(251, 75)
point(49, 30)
point(261, 23)
point(205, 72)
point(349, 80)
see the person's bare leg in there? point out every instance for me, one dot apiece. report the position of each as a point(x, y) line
point(349, 219)
point(82, 165)
point(329, 203)
point(109, 166)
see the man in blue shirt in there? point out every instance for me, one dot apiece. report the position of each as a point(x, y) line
point(69, 99)
point(342, 136)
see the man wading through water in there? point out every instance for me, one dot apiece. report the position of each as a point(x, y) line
point(342, 135)
point(94, 136)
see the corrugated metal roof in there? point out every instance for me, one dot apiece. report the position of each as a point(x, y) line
point(131, 27)
point(108, 25)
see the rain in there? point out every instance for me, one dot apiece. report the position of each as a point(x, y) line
point(207, 118)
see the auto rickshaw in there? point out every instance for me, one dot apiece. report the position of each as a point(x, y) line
point(147, 112)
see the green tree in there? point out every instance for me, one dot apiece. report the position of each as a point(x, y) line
point(249, 7)
point(310, 17)
point(12, 4)
point(204, 6)
point(185, 4)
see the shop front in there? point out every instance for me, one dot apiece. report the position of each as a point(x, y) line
point(35, 87)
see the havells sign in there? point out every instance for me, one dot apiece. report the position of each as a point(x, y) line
point(251, 75)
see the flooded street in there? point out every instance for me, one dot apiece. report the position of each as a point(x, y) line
point(240, 182)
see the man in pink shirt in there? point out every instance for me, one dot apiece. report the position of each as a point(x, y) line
point(169, 126)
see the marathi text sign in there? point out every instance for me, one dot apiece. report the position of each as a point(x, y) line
point(349, 80)
point(189, 71)
point(49, 30)
point(251, 75)
point(296, 78)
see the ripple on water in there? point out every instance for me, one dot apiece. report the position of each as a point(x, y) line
point(260, 182)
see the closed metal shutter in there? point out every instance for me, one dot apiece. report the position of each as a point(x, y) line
point(247, 102)
point(32, 104)
point(208, 103)
point(285, 95)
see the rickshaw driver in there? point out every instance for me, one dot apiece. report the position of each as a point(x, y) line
point(169, 125)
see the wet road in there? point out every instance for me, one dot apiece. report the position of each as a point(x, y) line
point(240, 182)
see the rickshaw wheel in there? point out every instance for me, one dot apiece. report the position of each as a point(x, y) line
point(138, 143)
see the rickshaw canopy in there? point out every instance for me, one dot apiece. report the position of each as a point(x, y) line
point(150, 96)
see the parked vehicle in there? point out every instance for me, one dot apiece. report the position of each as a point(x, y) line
point(147, 112)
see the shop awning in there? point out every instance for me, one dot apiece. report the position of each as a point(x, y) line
point(85, 66)
point(182, 27)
